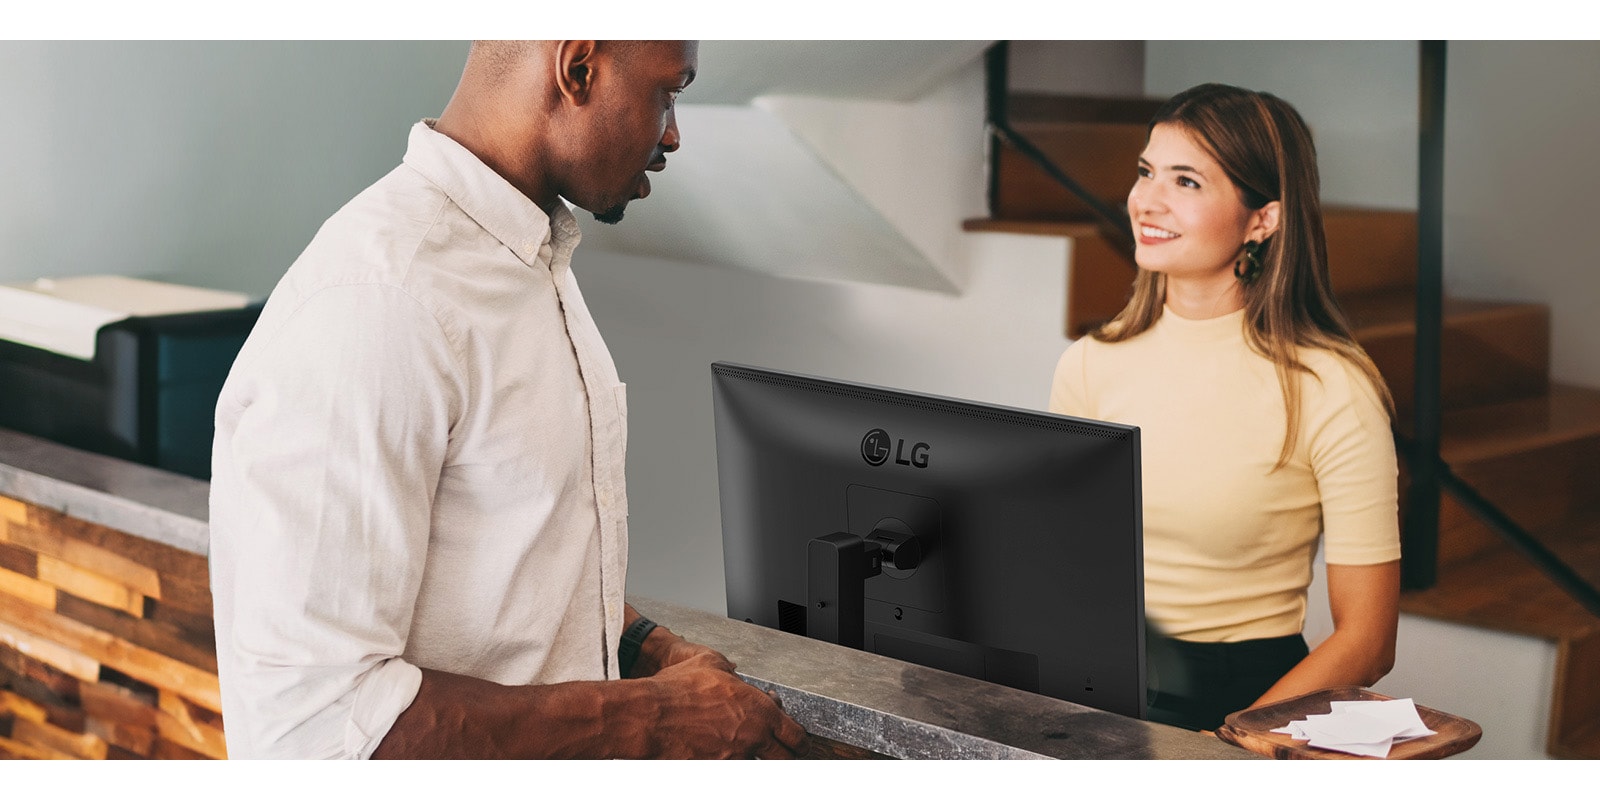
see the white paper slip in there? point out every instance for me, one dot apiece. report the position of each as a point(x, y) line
point(1360, 727)
point(1401, 713)
point(63, 315)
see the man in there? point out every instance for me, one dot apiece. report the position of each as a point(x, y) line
point(418, 509)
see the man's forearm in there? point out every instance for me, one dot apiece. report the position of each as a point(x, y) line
point(693, 708)
point(454, 716)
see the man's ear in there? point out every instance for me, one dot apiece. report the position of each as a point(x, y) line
point(575, 63)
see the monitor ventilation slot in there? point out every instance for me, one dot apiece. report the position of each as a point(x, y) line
point(791, 618)
point(890, 396)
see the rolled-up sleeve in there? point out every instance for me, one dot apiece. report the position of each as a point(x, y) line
point(331, 435)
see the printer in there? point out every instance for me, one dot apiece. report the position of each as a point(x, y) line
point(122, 366)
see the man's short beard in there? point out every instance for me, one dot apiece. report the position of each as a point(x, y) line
point(612, 215)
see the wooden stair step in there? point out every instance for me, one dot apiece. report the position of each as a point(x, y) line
point(1575, 706)
point(1582, 745)
point(1575, 541)
point(1547, 509)
point(1068, 228)
point(1534, 459)
point(1491, 351)
point(1500, 590)
point(1565, 414)
point(1103, 159)
point(1371, 249)
point(1094, 139)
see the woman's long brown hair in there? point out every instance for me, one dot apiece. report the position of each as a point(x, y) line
point(1264, 146)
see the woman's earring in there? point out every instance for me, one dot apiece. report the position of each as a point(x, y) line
point(1250, 263)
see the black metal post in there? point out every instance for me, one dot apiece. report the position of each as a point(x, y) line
point(1420, 534)
point(997, 86)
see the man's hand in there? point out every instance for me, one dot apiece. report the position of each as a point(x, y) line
point(686, 703)
point(663, 648)
point(708, 712)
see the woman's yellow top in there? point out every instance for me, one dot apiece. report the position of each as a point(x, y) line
point(1229, 540)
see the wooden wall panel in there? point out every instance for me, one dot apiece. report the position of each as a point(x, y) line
point(95, 560)
point(17, 706)
point(17, 560)
point(22, 587)
point(107, 648)
point(90, 586)
point(12, 749)
point(44, 649)
point(45, 736)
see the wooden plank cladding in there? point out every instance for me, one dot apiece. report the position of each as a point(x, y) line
point(106, 643)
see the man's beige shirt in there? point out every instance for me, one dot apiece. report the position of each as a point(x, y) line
point(418, 463)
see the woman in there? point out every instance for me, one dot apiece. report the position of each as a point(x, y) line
point(1264, 424)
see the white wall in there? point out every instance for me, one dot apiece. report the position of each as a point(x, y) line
point(1520, 127)
point(209, 163)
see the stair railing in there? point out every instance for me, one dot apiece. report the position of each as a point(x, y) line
point(1111, 222)
point(1419, 543)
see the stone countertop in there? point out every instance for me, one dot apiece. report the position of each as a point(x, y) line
point(909, 711)
point(857, 698)
point(151, 503)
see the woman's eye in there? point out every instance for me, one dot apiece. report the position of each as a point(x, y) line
point(1188, 182)
point(1144, 172)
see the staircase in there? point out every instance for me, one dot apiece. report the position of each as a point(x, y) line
point(1529, 446)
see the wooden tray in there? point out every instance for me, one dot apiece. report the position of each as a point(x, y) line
point(1252, 728)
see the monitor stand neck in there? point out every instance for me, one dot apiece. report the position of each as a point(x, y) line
point(837, 568)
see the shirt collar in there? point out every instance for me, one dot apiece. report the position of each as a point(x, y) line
point(507, 214)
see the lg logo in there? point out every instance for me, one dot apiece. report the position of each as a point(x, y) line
point(877, 444)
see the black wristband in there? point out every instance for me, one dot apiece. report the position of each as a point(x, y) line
point(632, 640)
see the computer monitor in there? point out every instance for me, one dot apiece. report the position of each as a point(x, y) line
point(994, 542)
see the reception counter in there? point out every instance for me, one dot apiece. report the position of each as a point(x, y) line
point(107, 650)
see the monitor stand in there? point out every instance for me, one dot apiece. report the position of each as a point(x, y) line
point(837, 568)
